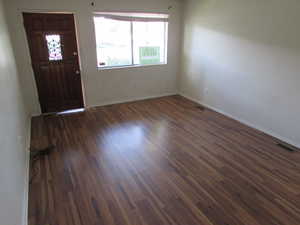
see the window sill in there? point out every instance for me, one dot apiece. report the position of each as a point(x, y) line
point(127, 67)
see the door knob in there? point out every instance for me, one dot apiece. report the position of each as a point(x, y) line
point(77, 72)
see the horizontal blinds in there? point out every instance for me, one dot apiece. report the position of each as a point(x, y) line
point(134, 16)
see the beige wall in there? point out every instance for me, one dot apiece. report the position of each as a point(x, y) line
point(242, 58)
point(107, 86)
point(14, 136)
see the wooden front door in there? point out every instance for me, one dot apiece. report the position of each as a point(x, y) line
point(54, 55)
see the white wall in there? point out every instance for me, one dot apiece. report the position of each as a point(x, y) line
point(14, 136)
point(242, 58)
point(101, 87)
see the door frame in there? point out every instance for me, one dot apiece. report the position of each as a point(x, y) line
point(20, 15)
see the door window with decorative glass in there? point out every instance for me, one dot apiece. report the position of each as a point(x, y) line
point(54, 47)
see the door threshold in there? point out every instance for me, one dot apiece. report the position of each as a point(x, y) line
point(65, 112)
point(70, 111)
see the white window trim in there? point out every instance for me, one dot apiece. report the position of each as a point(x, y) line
point(143, 17)
point(134, 16)
point(129, 66)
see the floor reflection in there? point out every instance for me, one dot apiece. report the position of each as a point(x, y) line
point(127, 137)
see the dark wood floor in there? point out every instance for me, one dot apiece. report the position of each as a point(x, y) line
point(161, 162)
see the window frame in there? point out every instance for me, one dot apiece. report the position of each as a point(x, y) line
point(136, 17)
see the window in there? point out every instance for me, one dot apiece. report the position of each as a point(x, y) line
point(129, 39)
point(54, 47)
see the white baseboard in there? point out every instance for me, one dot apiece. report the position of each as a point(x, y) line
point(266, 131)
point(271, 133)
point(26, 180)
point(35, 114)
point(131, 99)
point(122, 101)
